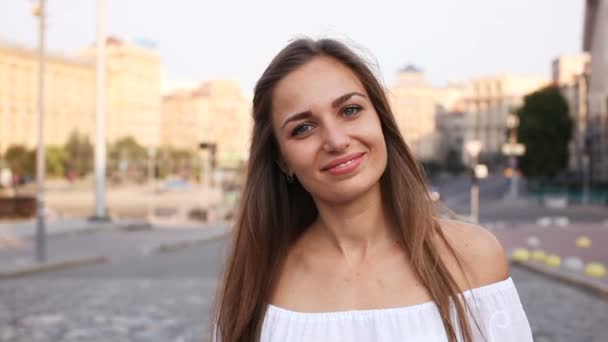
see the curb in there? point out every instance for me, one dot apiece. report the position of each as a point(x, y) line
point(59, 265)
point(569, 278)
point(171, 247)
point(52, 266)
point(134, 227)
point(125, 226)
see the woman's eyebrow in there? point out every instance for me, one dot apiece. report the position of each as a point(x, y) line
point(344, 98)
point(335, 103)
point(299, 116)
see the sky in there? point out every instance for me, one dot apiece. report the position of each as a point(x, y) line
point(204, 40)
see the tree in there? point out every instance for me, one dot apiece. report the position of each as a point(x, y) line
point(56, 160)
point(128, 159)
point(170, 159)
point(20, 160)
point(545, 128)
point(453, 162)
point(127, 149)
point(79, 154)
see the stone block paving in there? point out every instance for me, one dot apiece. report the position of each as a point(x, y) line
point(177, 309)
point(561, 313)
point(75, 309)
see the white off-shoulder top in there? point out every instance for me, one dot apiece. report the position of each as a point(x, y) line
point(496, 307)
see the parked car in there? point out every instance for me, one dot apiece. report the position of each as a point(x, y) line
point(177, 184)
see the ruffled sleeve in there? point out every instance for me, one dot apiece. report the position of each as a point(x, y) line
point(498, 311)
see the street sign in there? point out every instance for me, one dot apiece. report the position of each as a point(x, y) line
point(512, 121)
point(481, 171)
point(6, 177)
point(473, 147)
point(514, 149)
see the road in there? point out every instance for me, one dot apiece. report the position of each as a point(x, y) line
point(167, 297)
point(493, 207)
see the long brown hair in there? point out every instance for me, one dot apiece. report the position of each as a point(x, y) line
point(274, 213)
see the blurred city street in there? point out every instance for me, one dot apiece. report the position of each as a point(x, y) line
point(126, 130)
point(167, 297)
point(155, 283)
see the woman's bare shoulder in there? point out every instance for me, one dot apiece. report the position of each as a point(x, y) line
point(482, 255)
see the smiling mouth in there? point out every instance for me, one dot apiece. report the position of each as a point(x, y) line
point(343, 162)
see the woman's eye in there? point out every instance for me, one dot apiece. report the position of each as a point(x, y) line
point(351, 110)
point(301, 129)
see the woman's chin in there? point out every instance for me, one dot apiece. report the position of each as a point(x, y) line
point(345, 193)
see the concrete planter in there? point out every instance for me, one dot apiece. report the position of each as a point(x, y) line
point(17, 207)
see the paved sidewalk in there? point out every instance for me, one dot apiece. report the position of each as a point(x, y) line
point(103, 245)
point(26, 229)
point(556, 251)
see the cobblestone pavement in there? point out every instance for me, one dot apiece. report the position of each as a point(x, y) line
point(175, 307)
point(561, 313)
point(113, 310)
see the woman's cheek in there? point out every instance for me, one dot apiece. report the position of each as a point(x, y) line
point(301, 156)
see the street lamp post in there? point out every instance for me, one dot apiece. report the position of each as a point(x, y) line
point(100, 131)
point(586, 196)
point(473, 148)
point(208, 164)
point(40, 11)
point(513, 149)
point(151, 181)
point(151, 166)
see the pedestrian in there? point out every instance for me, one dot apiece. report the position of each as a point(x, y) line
point(337, 238)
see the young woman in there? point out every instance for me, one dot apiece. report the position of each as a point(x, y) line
point(337, 239)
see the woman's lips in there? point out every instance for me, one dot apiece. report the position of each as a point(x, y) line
point(345, 165)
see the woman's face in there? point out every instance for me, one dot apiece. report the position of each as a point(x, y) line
point(328, 131)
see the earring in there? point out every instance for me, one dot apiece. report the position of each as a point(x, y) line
point(290, 179)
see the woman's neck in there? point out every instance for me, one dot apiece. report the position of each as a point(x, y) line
point(355, 229)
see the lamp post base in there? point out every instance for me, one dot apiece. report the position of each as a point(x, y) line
point(96, 218)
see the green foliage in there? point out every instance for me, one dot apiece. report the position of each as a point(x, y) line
point(127, 149)
point(453, 162)
point(56, 161)
point(20, 160)
point(79, 154)
point(169, 160)
point(545, 128)
point(127, 160)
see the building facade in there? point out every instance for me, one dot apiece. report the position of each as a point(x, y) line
point(451, 121)
point(133, 91)
point(214, 112)
point(413, 103)
point(69, 94)
point(437, 121)
point(595, 42)
point(452, 127)
point(185, 116)
point(571, 75)
point(133, 95)
point(488, 102)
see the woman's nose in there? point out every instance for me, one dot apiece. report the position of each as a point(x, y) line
point(336, 138)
